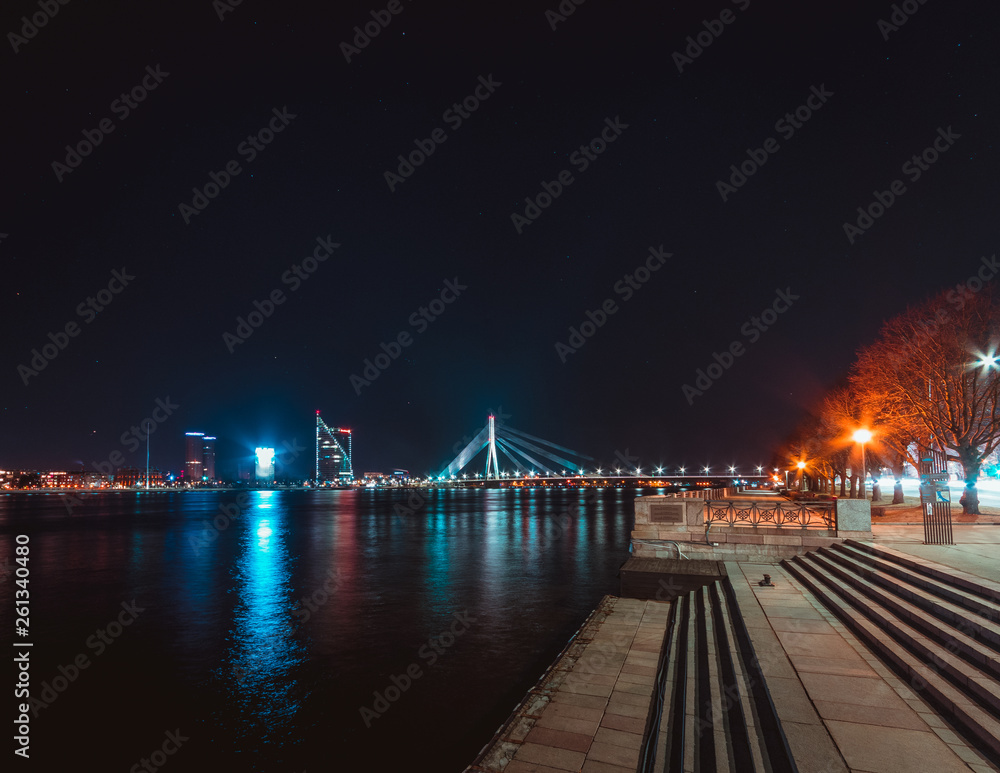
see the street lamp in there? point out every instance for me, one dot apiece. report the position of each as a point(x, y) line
point(862, 436)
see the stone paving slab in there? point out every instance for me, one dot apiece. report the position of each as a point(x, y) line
point(841, 694)
point(588, 712)
point(974, 553)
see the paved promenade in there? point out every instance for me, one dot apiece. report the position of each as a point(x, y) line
point(589, 711)
point(842, 710)
point(976, 549)
point(840, 707)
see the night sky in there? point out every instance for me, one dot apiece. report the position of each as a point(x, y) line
point(676, 116)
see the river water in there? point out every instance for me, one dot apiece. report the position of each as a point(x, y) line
point(286, 631)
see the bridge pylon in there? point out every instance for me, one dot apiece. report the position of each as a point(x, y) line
point(527, 453)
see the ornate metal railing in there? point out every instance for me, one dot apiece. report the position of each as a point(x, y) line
point(795, 515)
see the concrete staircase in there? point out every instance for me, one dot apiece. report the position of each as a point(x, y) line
point(938, 631)
point(711, 710)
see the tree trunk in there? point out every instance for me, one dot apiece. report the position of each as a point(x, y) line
point(970, 466)
point(854, 487)
point(897, 472)
point(970, 499)
point(843, 485)
point(876, 491)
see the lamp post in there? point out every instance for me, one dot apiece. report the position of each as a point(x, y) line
point(802, 467)
point(862, 436)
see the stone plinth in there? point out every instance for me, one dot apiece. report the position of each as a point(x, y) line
point(854, 519)
point(657, 514)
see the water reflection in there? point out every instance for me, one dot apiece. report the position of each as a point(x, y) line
point(263, 653)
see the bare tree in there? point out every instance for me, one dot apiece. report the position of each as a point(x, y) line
point(932, 375)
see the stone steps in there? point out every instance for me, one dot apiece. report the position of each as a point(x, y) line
point(711, 711)
point(932, 628)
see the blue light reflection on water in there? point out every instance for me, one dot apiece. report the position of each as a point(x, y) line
point(230, 648)
point(263, 652)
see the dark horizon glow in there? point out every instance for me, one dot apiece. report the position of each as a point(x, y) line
point(649, 233)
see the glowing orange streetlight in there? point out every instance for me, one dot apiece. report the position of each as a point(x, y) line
point(862, 436)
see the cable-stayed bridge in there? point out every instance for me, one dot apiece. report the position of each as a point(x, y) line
point(527, 453)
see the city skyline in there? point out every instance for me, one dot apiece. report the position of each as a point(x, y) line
point(670, 250)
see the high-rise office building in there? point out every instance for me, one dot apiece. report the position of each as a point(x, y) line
point(208, 458)
point(265, 464)
point(194, 457)
point(333, 454)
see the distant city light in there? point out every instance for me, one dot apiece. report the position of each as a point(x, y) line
point(265, 463)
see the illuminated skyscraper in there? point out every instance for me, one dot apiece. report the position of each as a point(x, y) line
point(333, 454)
point(265, 464)
point(208, 458)
point(194, 456)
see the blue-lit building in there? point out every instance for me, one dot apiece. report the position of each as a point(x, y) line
point(333, 454)
point(265, 464)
